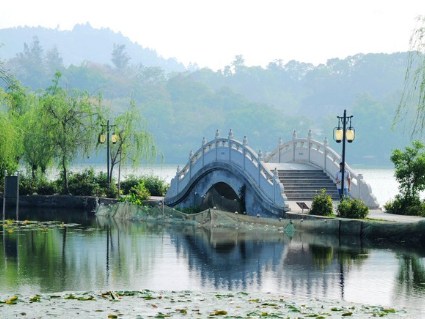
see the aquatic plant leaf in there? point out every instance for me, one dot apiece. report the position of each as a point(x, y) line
point(347, 314)
point(219, 313)
point(293, 308)
point(35, 298)
point(12, 300)
point(86, 298)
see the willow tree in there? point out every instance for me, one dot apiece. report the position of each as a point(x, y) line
point(9, 153)
point(413, 97)
point(133, 143)
point(71, 122)
point(38, 147)
point(11, 130)
point(4, 74)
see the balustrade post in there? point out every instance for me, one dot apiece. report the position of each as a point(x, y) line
point(294, 143)
point(359, 183)
point(190, 164)
point(178, 178)
point(275, 177)
point(217, 135)
point(230, 144)
point(245, 143)
point(309, 146)
point(203, 151)
point(325, 152)
point(260, 155)
point(279, 148)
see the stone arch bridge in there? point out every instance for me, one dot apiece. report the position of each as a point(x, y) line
point(227, 174)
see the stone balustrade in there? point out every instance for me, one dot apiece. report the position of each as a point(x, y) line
point(319, 154)
point(239, 157)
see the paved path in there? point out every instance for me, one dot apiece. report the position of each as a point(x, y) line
point(373, 214)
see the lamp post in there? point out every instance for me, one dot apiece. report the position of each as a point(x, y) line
point(342, 134)
point(106, 138)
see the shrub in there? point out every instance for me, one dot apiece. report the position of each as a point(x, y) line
point(87, 183)
point(37, 185)
point(137, 194)
point(155, 185)
point(130, 182)
point(352, 208)
point(84, 183)
point(46, 187)
point(27, 185)
point(405, 206)
point(322, 204)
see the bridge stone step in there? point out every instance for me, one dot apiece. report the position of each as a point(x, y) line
point(310, 188)
point(305, 184)
point(306, 181)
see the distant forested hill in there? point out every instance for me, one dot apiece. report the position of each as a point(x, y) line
point(83, 43)
point(182, 107)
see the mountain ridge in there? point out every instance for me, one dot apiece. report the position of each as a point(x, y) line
point(97, 43)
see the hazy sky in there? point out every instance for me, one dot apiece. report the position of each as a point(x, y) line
point(211, 32)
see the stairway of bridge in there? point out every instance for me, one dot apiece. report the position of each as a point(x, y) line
point(303, 185)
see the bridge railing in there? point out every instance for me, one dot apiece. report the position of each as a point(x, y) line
point(308, 150)
point(236, 153)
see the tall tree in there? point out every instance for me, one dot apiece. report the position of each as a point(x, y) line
point(10, 143)
point(4, 75)
point(72, 118)
point(134, 142)
point(54, 61)
point(38, 147)
point(29, 65)
point(119, 57)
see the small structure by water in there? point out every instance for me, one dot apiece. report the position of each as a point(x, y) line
point(227, 174)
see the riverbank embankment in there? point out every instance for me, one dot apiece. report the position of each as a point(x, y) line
point(411, 233)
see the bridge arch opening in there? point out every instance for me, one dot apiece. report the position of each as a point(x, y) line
point(223, 197)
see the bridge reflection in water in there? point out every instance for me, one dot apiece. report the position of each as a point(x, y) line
point(260, 185)
point(304, 265)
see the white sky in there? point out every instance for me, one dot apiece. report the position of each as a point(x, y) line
point(212, 32)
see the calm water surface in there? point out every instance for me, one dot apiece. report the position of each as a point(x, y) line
point(106, 255)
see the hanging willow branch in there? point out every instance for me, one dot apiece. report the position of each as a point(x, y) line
point(4, 75)
point(414, 82)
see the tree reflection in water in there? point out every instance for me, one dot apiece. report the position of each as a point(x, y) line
point(114, 254)
point(410, 279)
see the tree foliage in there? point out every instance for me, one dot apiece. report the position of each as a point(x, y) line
point(119, 57)
point(414, 87)
point(410, 169)
point(72, 121)
point(262, 103)
point(410, 173)
point(134, 142)
point(322, 204)
point(352, 208)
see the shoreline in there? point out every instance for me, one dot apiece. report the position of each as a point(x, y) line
point(408, 233)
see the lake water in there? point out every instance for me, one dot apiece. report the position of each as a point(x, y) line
point(109, 255)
